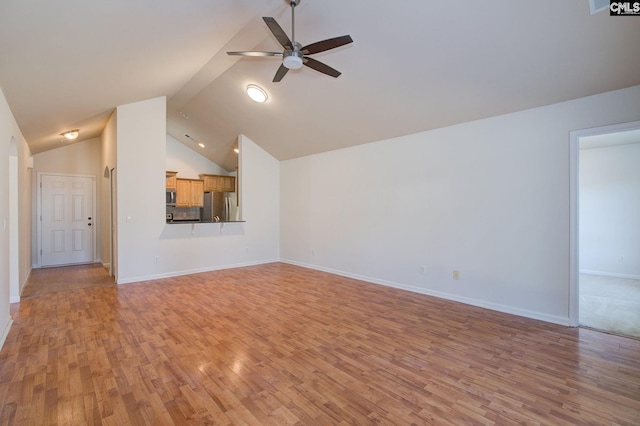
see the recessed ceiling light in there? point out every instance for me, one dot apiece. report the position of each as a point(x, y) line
point(200, 144)
point(256, 93)
point(71, 134)
point(236, 150)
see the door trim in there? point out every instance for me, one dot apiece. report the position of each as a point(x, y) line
point(574, 243)
point(39, 212)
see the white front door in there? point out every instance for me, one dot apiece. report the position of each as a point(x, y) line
point(67, 220)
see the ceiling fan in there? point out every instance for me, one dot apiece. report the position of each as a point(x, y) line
point(294, 54)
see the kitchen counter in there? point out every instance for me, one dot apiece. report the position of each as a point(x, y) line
point(178, 222)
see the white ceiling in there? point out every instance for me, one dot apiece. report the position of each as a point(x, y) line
point(414, 65)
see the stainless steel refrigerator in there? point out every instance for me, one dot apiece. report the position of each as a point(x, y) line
point(219, 207)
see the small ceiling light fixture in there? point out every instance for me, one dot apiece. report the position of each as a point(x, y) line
point(236, 150)
point(256, 93)
point(200, 144)
point(71, 134)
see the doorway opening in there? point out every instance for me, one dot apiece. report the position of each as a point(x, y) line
point(66, 213)
point(113, 235)
point(605, 231)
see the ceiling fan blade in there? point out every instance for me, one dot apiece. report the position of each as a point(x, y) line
point(319, 66)
point(280, 73)
point(254, 53)
point(278, 32)
point(327, 44)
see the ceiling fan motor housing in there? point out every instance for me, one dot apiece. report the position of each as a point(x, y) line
point(292, 59)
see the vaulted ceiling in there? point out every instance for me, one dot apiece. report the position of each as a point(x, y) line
point(414, 65)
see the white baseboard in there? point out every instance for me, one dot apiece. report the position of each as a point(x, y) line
point(192, 271)
point(448, 296)
point(554, 319)
point(610, 274)
point(5, 332)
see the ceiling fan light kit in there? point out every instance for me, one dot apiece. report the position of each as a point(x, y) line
point(293, 61)
point(257, 93)
point(294, 55)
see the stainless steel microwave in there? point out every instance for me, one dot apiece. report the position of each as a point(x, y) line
point(171, 197)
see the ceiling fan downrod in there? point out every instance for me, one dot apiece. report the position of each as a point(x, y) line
point(292, 59)
point(293, 4)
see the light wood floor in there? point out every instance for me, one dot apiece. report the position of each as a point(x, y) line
point(278, 344)
point(65, 278)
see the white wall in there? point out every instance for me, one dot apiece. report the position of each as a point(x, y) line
point(610, 211)
point(140, 160)
point(12, 145)
point(81, 158)
point(488, 198)
point(144, 236)
point(188, 163)
point(7, 127)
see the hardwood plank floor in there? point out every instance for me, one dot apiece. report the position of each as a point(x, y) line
point(279, 344)
point(65, 278)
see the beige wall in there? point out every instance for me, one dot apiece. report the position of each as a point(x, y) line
point(108, 162)
point(80, 158)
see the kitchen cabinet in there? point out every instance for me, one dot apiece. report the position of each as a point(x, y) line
point(171, 180)
point(228, 184)
point(189, 192)
point(218, 183)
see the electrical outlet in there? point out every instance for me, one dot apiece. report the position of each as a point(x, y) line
point(422, 269)
point(313, 252)
point(456, 274)
point(621, 259)
point(156, 259)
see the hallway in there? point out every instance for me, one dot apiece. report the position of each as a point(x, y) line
point(66, 278)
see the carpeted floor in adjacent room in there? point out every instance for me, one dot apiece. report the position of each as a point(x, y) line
point(610, 304)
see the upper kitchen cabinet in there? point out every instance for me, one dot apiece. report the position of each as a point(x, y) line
point(218, 183)
point(189, 192)
point(171, 180)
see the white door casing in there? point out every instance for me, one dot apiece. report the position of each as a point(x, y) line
point(574, 243)
point(67, 218)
